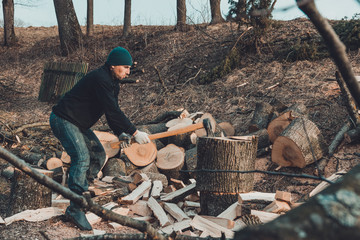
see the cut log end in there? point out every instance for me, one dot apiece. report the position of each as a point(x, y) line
point(286, 153)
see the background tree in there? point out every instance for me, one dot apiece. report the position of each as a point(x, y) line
point(181, 16)
point(9, 29)
point(90, 17)
point(69, 28)
point(215, 12)
point(127, 18)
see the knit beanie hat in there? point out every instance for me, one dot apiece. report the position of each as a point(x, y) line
point(119, 56)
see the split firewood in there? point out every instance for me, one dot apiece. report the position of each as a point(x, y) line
point(141, 208)
point(169, 189)
point(299, 145)
point(283, 196)
point(264, 216)
point(277, 207)
point(178, 194)
point(232, 212)
point(137, 193)
point(176, 227)
point(191, 204)
point(334, 177)
point(36, 215)
point(226, 223)
point(106, 139)
point(111, 195)
point(158, 211)
point(261, 116)
point(177, 183)
point(158, 177)
point(257, 196)
point(213, 229)
point(156, 189)
point(195, 115)
point(175, 211)
point(2, 221)
point(60, 203)
point(146, 195)
point(170, 160)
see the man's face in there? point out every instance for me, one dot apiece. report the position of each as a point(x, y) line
point(120, 72)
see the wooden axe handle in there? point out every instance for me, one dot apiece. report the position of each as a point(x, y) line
point(186, 129)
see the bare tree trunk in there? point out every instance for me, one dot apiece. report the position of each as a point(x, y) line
point(90, 18)
point(215, 12)
point(181, 15)
point(69, 28)
point(9, 30)
point(127, 18)
point(336, 47)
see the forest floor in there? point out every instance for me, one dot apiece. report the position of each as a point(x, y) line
point(179, 57)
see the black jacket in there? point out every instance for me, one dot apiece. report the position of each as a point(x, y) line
point(94, 95)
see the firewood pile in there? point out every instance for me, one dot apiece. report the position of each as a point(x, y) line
point(164, 190)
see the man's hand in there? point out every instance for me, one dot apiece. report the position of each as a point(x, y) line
point(141, 137)
point(126, 138)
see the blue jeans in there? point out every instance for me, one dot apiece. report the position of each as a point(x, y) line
point(85, 150)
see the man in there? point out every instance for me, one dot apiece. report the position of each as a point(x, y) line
point(79, 109)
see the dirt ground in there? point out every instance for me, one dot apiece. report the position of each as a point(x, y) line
point(179, 57)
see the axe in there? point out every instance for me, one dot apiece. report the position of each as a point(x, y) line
point(204, 124)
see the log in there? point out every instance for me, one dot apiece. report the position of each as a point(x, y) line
point(299, 145)
point(28, 194)
point(106, 139)
point(114, 167)
point(53, 163)
point(352, 135)
point(331, 214)
point(227, 128)
point(170, 160)
point(261, 116)
point(181, 140)
point(219, 189)
point(278, 125)
point(263, 138)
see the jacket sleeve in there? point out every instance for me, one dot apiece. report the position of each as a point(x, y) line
point(117, 120)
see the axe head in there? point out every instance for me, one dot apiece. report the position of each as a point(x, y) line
point(208, 127)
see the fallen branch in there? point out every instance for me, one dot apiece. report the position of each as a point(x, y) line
point(38, 124)
point(119, 236)
point(86, 203)
point(160, 78)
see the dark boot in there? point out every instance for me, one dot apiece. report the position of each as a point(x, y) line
point(75, 215)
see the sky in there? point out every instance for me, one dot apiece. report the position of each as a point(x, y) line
point(163, 12)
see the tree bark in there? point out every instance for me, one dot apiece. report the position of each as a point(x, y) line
point(218, 188)
point(9, 29)
point(181, 15)
point(331, 214)
point(90, 18)
point(127, 18)
point(336, 47)
point(215, 12)
point(69, 28)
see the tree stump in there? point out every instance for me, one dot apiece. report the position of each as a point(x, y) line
point(300, 144)
point(170, 160)
point(218, 190)
point(27, 193)
point(261, 116)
